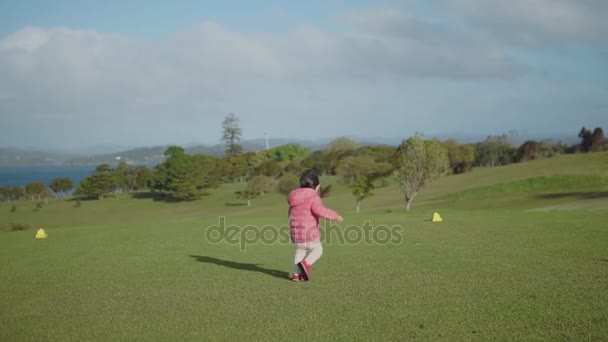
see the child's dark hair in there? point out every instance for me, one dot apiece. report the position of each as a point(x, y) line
point(309, 179)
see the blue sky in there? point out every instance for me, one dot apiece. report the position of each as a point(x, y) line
point(138, 73)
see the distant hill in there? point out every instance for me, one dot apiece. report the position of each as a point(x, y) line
point(10, 156)
point(155, 155)
point(14, 156)
point(140, 156)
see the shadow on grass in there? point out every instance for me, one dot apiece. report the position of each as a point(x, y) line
point(158, 197)
point(241, 266)
point(155, 196)
point(83, 199)
point(236, 204)
point(579, 194)
point(136, 194)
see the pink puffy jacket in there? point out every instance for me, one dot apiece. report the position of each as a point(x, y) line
point(305, 209)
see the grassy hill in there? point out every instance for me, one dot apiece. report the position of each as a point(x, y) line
point(521, 255)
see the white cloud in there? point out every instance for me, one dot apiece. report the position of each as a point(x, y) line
point(84, 84)
point(539, 21)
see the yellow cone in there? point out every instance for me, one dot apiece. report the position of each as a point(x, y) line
point(41, 234)
point(437, 217)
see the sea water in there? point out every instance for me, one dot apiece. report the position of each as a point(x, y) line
point(22, 175)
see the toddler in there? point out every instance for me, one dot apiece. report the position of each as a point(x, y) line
point(305, 209)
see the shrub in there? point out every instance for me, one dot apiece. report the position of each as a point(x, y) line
point(18, 227)
point(527, 151)
point(78, 203)
point(13, 208)
point(287, 183)
point(260, 184)
point(462, 167)
point(39, 205)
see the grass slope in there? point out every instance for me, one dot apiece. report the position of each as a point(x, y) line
point(496, 268)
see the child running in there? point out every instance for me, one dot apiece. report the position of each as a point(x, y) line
point(305, 209)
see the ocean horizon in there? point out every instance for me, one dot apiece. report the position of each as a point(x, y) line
point(11, 176)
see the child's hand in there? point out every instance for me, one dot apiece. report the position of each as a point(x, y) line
point(339, 219)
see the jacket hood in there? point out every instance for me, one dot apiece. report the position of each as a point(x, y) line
point(300, 195)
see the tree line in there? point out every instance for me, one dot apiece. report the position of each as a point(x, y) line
point(58, 187)
point(363, 169)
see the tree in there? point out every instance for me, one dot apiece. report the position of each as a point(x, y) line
point(183, 177)
point(235, 168)
point(315, 161)
point(287, 183)
point(461, 156)
point(46, 194)
point(17, 192)
point(362, 188)
point(591, 141)
point(14, 193)
point(232, 135)
point(494, 151)
point(548, 148)
point(342, 144)
point(281, 159)
point(380, 153)
point(262, 184)
point(123, 177)
point(585, 136)
point(330, 162)
point(184, 180)
point(295, 166)
point(527, 151)
point(143, 177)
point(61, 185)
point(34, 189)
point(336, 150)
point(360, 173)
point(417, 163)
point(209, 166)
point(352, 168)
point(4, 194)
point(270, 168)
point(159, 177)
point(531, 150)
point(255, 187)
point(597, 139)
point(287, 153)
point(98, 184)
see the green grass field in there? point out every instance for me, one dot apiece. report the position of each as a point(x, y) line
point(522, 254)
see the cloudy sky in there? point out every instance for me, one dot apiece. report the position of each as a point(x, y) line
point(135, 73)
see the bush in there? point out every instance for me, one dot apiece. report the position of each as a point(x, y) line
point(15, 227)
point(287, 183)
point(260, 184)
point(39, 205)
point(13, 208)
point(462, 167)
point(78, 203)
point(527, 151)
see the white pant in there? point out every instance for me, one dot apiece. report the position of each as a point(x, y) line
point(314, 249)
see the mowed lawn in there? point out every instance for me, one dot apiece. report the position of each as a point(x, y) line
point(522, 254)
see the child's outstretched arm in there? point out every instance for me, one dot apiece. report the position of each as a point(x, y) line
point(318, 209)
